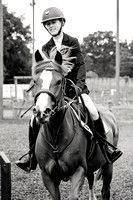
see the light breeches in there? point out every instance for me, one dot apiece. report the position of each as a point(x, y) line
point(90, 106)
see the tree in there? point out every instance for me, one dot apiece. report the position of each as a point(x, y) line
point(131, 47)
point(100, 47)
point(17, 56)
point(99, 53)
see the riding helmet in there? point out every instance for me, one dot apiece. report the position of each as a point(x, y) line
point(51, 14)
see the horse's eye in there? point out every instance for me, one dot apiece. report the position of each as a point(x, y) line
point(58, 82)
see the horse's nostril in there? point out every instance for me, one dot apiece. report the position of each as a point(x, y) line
point(47, 111)
point(34, 110)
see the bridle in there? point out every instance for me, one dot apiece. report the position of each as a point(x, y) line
point(46, 92)
point(57, 104)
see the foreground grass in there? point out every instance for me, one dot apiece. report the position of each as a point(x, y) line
point(14, 142)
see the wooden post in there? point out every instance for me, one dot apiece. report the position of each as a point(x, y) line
point(16, 78)
point(1, 60)
point(117, 57)
point(15, 102)
point(5, 177)
point(15, 84)
point(33, 4)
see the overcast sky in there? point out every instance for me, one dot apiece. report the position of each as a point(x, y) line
point(82, 17)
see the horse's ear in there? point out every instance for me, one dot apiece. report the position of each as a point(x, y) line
point(58, 58)
point(38, 56)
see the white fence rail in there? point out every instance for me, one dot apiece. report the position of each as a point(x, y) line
point(102, 92)
point(99, 87)
point(9, 90)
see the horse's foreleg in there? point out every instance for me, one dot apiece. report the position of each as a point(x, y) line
point(77, 181)
point(107, 173)
point(90, 178)
point(52, 187)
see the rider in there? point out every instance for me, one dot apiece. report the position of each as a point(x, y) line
point(53, 20)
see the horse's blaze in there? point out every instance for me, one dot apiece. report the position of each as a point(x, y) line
point(43, 103)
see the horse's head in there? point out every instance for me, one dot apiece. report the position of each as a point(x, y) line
point(50, 82)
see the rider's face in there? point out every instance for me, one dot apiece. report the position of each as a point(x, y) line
point(53, 26)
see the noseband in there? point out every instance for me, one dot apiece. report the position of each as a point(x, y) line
point(46, 92)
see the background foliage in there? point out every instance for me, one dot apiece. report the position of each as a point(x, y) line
point(99, 52)
point(17, 56)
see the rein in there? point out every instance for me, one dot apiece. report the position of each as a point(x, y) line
point(78, 95)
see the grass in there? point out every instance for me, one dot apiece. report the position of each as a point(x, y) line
point(14, 142)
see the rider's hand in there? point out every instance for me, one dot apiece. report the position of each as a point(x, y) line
point(66, 69)
point(67, 66)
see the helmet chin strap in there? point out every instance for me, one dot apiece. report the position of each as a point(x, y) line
point(57, 33)
point(62, 24)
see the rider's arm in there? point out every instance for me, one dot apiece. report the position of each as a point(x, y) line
point(79, 65)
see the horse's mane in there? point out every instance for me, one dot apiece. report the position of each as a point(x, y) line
point(43, 61)
point(66, 55)
point(41, 65)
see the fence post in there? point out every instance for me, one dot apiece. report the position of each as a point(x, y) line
point(5, 166)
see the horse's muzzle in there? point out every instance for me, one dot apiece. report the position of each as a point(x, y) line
point(42, 116)
point(43, 112)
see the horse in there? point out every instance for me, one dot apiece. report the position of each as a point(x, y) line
point(65, 149)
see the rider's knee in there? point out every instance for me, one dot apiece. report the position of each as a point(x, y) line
point(90, 106)
point(94, 115)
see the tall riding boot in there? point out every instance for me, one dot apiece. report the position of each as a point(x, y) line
point(30, 163)
point(110, 152)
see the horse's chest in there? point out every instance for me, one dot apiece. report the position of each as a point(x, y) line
point(61, 169)
point(62, 157)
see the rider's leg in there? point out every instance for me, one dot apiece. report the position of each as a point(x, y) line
point(31, 162)
point(110, 153)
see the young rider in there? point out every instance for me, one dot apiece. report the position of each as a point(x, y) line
point(53, 20)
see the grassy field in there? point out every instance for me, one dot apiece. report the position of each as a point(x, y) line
point(14, 142)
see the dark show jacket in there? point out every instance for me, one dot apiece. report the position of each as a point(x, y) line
point(78, 73)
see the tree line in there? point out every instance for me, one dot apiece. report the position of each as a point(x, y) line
point(98, 50)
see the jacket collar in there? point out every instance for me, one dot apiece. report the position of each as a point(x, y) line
point(65, 40)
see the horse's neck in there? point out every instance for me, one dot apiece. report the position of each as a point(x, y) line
point(60, 125)
point(53, 128)
point(63, 120)
point(56, 120)
point(61, 130)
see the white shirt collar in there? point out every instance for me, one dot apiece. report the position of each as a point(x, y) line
point(58, 41)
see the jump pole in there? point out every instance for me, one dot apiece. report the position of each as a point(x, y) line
point(1, 60)
point(5, 168)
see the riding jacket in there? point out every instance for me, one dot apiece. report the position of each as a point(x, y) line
point(78, 73)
